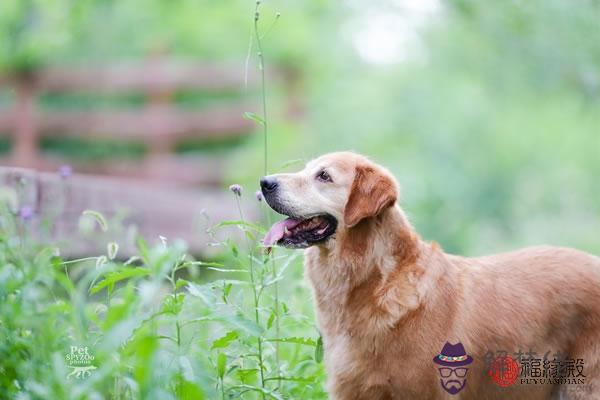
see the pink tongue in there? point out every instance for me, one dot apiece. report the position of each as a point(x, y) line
point(277, 231)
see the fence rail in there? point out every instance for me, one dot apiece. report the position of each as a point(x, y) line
point(160, 124)
point(131, 207)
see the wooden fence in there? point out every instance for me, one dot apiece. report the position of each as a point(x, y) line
point(160, 124)
point(165, 193)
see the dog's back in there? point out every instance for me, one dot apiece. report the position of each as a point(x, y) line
point(542, 299)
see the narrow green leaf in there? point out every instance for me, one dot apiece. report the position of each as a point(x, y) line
point(297, 340)
point(241, 223)
point(227, 289)
point(180, 283)
point(239, 321)
point(271, 319)
point(319, 350)
point(254, 117)
point(203, 292)
point(225, 340)
point(112, 277)
point(221, 364)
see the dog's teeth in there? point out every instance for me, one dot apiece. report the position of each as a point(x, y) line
point(285, 230)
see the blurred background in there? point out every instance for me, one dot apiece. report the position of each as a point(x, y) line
point(488, 113)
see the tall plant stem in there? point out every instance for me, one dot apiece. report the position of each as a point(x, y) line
point(255, 296)
point(263, 84)
point(261, 66)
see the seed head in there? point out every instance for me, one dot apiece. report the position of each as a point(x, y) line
point(236, 189)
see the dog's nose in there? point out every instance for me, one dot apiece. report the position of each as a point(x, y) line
point(268, 184)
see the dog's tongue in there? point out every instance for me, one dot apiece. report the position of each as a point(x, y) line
point(278, 229)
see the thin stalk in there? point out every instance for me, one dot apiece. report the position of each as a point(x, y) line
point(261, 66)
point(222, 390)
point(178, 330)
point(255, 295)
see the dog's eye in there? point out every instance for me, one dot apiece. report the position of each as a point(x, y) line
point(323, 176)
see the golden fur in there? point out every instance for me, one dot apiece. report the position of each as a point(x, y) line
point(387, 301)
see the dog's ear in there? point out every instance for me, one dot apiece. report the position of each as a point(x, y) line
point(373, 190)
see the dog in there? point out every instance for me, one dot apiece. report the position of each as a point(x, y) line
point(398, 315)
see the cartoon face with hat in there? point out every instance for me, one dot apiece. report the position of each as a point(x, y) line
point(453, 360)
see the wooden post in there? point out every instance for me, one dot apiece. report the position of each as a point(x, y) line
point(161, 145)
point(25, 151)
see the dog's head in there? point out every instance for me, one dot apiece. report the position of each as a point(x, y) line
point(335, 191)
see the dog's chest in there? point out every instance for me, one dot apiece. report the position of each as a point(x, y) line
point(377, 368)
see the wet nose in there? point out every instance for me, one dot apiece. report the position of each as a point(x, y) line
point(268, 184)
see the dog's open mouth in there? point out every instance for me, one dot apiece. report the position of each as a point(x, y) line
point(301, 233)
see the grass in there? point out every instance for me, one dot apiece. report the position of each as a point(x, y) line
point(154, 326)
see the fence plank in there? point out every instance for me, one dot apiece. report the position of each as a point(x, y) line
point(149, 75)
point(153, 209)
point(168, 170)
point(210, 123)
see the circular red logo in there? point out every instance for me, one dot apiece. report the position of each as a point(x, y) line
point(504, 371)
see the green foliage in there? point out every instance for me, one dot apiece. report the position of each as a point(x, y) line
point(491, 128)
point(153, 333)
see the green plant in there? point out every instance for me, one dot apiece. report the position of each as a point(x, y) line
point(161, 324)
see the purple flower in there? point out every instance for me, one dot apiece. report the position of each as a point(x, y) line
point(259, 195)
point(65, 171)
point(236, 189)
point(26, 213)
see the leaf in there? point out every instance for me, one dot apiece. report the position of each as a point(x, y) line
point(319, 350)
point(190, 390)
point(227, 289)
point(254, 117)
point(237, 320)
point(143, 249)
point(98, 217)
point(203, 292)
point(236, 282)
point(247, 374)
point(270, 393)
point(297, 340)
point(271, 319)
point(180, 283)
point(205, 264)
point(225, 341)
point(131, 260)
point(113, 277)
point(241, 223)
point(112, 249)
point(221, 364)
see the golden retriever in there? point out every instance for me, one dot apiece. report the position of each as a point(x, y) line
point(389, 304)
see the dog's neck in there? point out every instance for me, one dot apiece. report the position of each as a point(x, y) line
point(383, 244)
point(377, 259)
